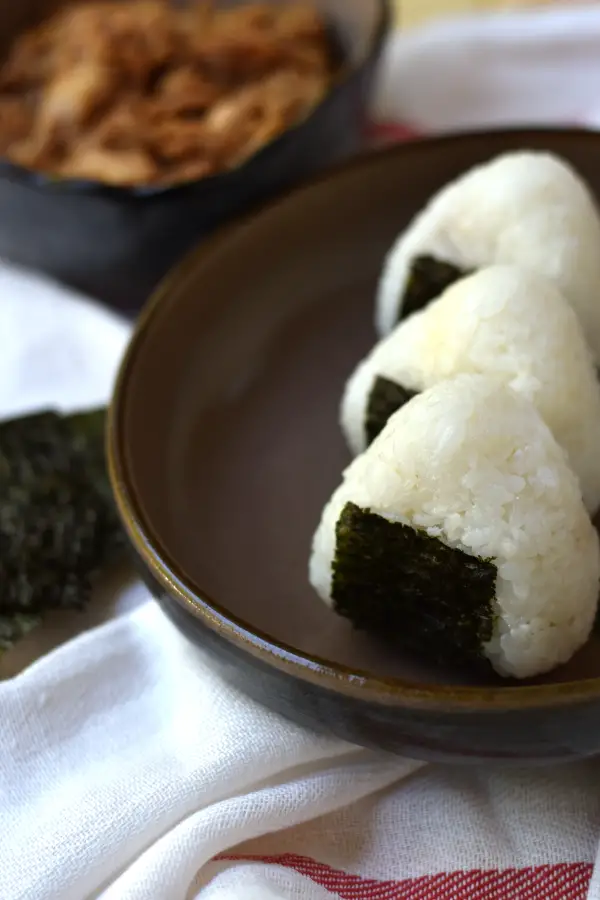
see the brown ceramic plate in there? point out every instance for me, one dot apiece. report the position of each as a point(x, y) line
point(224, 446)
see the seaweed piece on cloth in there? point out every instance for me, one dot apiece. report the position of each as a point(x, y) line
point(15, 626)
point(59, 528)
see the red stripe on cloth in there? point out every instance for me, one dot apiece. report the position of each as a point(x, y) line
point(565, 881)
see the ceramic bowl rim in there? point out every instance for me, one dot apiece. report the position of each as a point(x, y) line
point(199, 604)
point(91, 187)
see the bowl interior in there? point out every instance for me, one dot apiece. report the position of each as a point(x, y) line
point(226, 416)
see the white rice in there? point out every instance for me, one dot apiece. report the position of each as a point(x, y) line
point(509, 323)
point(529, 209)
point(473, 464)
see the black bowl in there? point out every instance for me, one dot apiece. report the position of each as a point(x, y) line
point(224, 445)
point(116, 243)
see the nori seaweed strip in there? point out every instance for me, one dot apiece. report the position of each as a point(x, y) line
point(58, 524)
point(386, 397)
point(428, 278)
point(14, 627)
point(424, 596)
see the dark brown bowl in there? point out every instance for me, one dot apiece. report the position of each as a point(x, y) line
point(224, 446)
point(116, 243)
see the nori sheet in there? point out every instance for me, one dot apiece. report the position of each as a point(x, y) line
point(393, 580)
point(59, 527)
point(15, 626)
point(428, 278)
point(386, 397)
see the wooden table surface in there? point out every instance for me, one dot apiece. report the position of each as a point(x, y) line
point(411, 12)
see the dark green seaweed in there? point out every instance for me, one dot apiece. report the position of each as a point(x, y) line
point(59, 528)
point(14, 627)
point(386, 398)
point(428, 278)
point(391, 579)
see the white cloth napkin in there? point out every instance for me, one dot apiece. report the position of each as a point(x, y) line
point(535, 67)
point(130, 771)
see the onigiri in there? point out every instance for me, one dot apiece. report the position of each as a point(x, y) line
point(502, 321)
point(526, 208)
point(460, 533)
